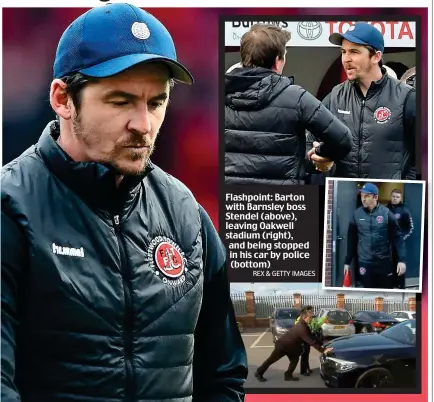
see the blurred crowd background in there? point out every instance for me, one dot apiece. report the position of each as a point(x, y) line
point(188, 143)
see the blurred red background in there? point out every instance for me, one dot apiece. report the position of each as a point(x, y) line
point(188, 144)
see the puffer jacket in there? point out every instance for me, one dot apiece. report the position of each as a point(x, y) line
point(374, 235)
point(403, 217)
point(266, 118)
point(111, 294)
point(383, 127)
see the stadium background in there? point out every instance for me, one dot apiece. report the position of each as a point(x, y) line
point(188, 144)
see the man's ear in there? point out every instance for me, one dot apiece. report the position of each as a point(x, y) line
point(378, 56)
point(59, 99)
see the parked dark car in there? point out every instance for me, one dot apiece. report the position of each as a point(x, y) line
point(372, 321)
point(281, 320)
point(385, 360)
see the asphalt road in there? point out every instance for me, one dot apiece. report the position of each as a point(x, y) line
point(259, 345)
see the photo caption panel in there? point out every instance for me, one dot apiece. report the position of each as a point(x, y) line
point(271, 233)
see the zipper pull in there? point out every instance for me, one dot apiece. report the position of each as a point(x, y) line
point(116, 222)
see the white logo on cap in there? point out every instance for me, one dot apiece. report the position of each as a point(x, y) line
point(351, 28)
point(140, 30)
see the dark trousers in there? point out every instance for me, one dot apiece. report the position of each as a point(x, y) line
point(304, 358)
point(377, 275)
point(398, 281)
point(275, 356)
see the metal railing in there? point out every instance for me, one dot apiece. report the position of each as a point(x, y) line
point(264, 305)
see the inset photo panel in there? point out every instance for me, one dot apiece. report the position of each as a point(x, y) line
point(309, 99)
point(373, 235)
point(270, 315)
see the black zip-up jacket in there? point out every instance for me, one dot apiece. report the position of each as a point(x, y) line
point(373, 235)
point(403, 217)
point(111, 294)
point(292, 341)
point(266, 118)
point(383, 127)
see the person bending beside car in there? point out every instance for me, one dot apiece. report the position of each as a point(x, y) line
point(291, 345)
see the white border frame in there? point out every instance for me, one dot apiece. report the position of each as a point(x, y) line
point(381, 290)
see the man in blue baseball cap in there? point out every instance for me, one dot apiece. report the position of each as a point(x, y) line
point(114, 283)
point(379, 110)
point(373, 234)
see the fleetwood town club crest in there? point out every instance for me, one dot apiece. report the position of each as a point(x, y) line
point(167, 260)
point(382, 115)
point(362, 271)
point(379, 219)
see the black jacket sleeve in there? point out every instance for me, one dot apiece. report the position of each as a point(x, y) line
point(324, 127)
point(410, 135)
point(396, 237)
point(406, 223)
point(311, 340)
point(310, 138)
point(351, 242)
point(220, 362)
point(13, 263)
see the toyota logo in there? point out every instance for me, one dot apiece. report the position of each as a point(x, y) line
point(309, 30)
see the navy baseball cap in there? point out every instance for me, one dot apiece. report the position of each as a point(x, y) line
point(109, 39)
point(362, 34)
point(369, 188)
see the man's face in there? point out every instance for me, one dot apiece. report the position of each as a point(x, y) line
point(369, 200)
point(396, 198)
point(120, 117)
point(356, 60)
point(308, 317)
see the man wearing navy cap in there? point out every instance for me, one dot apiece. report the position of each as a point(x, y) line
point(379, 110)
point(373, 235)
point(114, 285)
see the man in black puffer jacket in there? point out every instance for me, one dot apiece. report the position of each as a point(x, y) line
point(405, 222)
point(379, 110)
point(266, 116)
point(114, 286)
point(373, 235)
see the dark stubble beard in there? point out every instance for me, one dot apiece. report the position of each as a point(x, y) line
point(110, 162)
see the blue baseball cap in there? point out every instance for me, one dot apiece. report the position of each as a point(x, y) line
point(369, 188)
point(109, 39)
point(362, 34)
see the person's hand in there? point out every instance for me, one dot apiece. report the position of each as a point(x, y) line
point(322, 164)
point(327, 351)
point(401, 268)
point(346, 269)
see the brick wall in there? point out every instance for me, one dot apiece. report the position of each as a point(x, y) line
point(329, 242)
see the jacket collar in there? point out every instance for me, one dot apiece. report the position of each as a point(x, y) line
point(93, 182)
point(375, 87)
point(374, 210)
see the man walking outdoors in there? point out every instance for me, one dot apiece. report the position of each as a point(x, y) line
point(372, 234)
point(267, 115)
point(114, 281)
point(291, 345)
point(405, 222)
point(379, 110)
